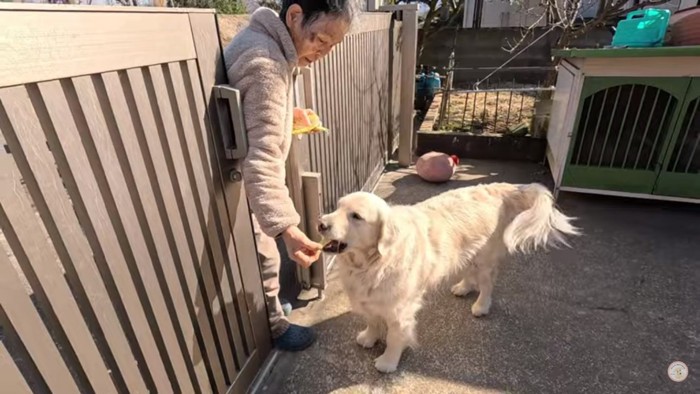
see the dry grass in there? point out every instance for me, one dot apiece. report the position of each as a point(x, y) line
point(230, 25)
point(489, 112)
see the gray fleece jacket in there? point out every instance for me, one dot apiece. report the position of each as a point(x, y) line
point(260, 62)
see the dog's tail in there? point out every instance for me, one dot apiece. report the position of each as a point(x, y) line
point(540, 225)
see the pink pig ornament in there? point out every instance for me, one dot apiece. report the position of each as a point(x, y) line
point(436, 167)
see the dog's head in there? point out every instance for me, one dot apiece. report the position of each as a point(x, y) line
point(360, 222)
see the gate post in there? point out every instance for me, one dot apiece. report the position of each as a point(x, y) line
point(409, 45)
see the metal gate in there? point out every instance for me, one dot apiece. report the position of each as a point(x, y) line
point(622, 132)
point(128, 260)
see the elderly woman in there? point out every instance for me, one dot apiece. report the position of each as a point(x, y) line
point(260, 62)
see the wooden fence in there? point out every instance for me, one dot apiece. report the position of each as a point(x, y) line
point(127, 259)
point(128, 263)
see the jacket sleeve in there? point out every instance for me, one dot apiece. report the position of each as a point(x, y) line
point(263, 86)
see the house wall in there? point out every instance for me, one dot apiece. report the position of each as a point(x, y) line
point(507, 13)
point(479, 51)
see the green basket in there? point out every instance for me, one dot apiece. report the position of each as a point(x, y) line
point(642, 28)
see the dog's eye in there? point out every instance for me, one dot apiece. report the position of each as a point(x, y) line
point(356, 216)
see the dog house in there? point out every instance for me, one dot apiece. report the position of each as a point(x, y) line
point(627, 122)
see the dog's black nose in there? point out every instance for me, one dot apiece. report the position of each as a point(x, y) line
point(322, 227)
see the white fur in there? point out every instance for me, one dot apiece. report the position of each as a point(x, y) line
point(396, 253)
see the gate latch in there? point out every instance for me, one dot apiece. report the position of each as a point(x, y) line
point(231, 124)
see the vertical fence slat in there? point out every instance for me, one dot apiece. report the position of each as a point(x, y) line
point(341, 171)
point(357, 75)
point(495, 116)
point(166, 107)
point(597, 127)
point(11, 378)
point(371, 107)
point(322, 83)
point(522, 104)
point(610, 123)
point(31, 330)
point(634, 126)
point(69, 124)
point(464, 112)
point(210, 214)
point(314, 138)
point(334, 148)
point(646, 129)
point(658, 131)
point(40, 174)
point(510, 101)
point(352, 62)
point(362, 78)
point(622, 125)
point(347, 59)
point(40, 264)
point(145, 98)
point(476, 95)
point(328, 148)
point(126, 118)
point(339, 113)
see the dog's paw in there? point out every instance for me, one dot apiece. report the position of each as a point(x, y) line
point(461, 289)
point(385, 364)
point(366, 338)
point(480, 309)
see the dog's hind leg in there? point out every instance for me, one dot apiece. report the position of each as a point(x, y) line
point(486, 279)
point(368, 337)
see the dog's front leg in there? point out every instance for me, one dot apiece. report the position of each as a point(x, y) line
point(398, 337)
point(368, 337)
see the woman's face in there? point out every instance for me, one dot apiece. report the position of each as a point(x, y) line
point(316, 39)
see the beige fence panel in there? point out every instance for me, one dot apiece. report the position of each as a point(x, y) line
point(11, 377)
point(20, 314)
point(40, 266)
point(32, 155)
point(128, 263)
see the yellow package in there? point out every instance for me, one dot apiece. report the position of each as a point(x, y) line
point(315, 127)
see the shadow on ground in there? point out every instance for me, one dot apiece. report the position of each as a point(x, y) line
point(606, 316)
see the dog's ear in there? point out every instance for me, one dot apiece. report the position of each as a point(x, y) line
point(387, 234)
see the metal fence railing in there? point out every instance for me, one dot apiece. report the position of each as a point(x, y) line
point(500, 111)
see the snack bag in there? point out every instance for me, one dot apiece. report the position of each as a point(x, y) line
point(301, 126)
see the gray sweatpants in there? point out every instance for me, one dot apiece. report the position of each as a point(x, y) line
point(270, 263)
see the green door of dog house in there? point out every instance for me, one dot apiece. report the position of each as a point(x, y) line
point(680, 171)
point(630, 126)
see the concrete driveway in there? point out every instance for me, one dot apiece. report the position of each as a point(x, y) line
point(607, 316)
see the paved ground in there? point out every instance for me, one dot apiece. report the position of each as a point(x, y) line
point(607, 316)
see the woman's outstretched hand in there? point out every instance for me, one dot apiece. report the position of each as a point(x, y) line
point(300, 248)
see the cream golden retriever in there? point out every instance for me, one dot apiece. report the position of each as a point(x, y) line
point(389, 256)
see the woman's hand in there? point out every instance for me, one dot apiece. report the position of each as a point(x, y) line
point(300, 248)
